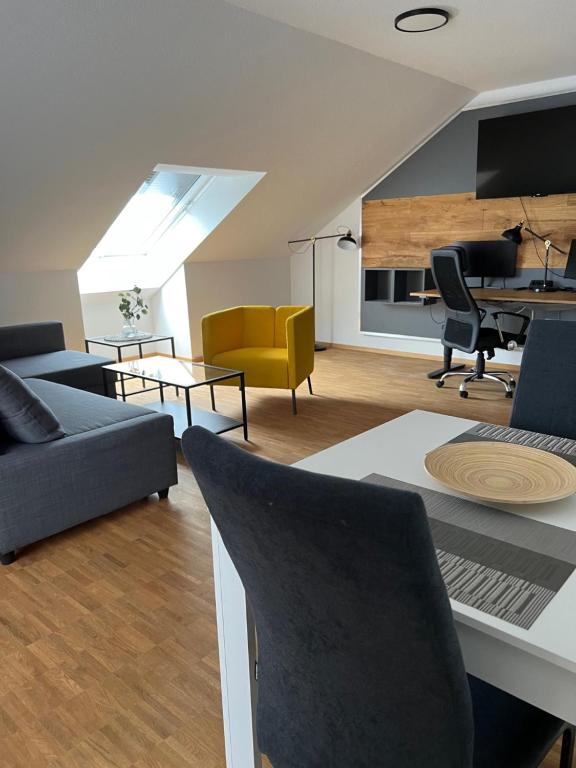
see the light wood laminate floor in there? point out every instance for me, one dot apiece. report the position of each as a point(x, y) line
point(108, 652)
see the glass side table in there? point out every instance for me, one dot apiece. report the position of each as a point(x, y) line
point(128, 342)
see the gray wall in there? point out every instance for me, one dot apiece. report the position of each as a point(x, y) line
point(447, 165)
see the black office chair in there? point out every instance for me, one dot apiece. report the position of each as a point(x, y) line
point(463, 328)
point(359, 663)
point(545, 399)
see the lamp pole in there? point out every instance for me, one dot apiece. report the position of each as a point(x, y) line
point(317, 347)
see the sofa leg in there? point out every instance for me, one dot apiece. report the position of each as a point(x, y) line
point(8, 558)
point(310, 385)
point(294, 409)
point(163, 494)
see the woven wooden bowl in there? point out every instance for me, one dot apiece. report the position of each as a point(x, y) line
point(502, 472)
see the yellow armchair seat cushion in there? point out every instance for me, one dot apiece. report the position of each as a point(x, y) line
point(262, 366)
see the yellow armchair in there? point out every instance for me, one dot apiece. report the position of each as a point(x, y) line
point(273, 346)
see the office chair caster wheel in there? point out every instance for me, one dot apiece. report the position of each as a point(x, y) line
point(440, 384)
point(463, 393)
point(509, 394)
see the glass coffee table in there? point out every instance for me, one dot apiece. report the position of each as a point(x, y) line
point(181, 374)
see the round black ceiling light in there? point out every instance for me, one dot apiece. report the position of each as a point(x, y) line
point(421, 20)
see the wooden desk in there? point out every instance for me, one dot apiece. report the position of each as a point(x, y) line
point(538, 664)
point(509, 295)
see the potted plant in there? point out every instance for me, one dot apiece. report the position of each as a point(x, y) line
point(132, 307)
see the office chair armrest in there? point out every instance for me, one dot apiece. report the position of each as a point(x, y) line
point(525, 322)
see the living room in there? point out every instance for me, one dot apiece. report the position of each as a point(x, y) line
point(287, 435)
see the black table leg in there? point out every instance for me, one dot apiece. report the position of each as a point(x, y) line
point(122, 387)
point(447, 365)
point(106, 390)
point(244, 414)
point(87, 346)
point(174, 355)
point(141, 354)
point(188, 408)
point(212, 398)
point(161, 393)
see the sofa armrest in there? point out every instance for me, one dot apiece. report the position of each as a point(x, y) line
point(30, 339)
point(300, 345)
point(221, 332)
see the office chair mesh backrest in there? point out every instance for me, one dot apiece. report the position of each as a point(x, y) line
point(463, 320)
point(359, 664)
point(545, 397)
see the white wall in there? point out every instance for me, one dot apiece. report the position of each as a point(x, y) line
point(27, 297)
point(102, 317)
point(194, 290)
point(338, 295)
point(170, 311)
point(94, 98)
point(220, 284)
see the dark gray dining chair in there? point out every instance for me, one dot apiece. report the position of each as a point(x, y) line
point(359, 664)
point(545, 398)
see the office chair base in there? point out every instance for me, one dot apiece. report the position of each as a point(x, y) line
point(502, 377)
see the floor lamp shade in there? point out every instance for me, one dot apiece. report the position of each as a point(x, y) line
point(347, 242)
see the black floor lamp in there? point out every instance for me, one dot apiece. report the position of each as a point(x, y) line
point(345, 241)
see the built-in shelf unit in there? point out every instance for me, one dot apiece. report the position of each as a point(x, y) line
point(394, 286)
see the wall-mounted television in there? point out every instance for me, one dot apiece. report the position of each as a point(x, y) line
point(530, 154)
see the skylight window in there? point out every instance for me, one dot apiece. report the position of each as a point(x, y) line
point(148, 215)
point(170, 214)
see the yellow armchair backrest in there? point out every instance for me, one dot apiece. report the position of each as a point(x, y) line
point(282, 315)
point(258, 328)
point(222, 331)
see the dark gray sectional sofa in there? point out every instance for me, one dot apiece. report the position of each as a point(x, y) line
point(38, 350)
point(112, 454)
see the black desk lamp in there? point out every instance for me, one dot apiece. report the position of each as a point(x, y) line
point(345, 241)
point(515, 235)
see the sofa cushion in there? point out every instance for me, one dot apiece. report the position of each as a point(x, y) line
point(80, 411)
point(23, 415)
point(76, 369)
point(262, 366)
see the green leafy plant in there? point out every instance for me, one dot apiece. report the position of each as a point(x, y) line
point(132, 305)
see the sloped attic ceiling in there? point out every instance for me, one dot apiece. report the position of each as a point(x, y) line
point(94, 94)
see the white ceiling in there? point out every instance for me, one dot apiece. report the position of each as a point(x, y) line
point(93, 94)
point(488, 44)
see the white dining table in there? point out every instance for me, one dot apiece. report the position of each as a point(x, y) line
point(537, 665)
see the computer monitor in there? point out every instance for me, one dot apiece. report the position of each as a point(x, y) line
point(488, 258)
point(570, 271)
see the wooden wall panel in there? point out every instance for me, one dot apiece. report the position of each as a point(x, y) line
point(401, 232)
